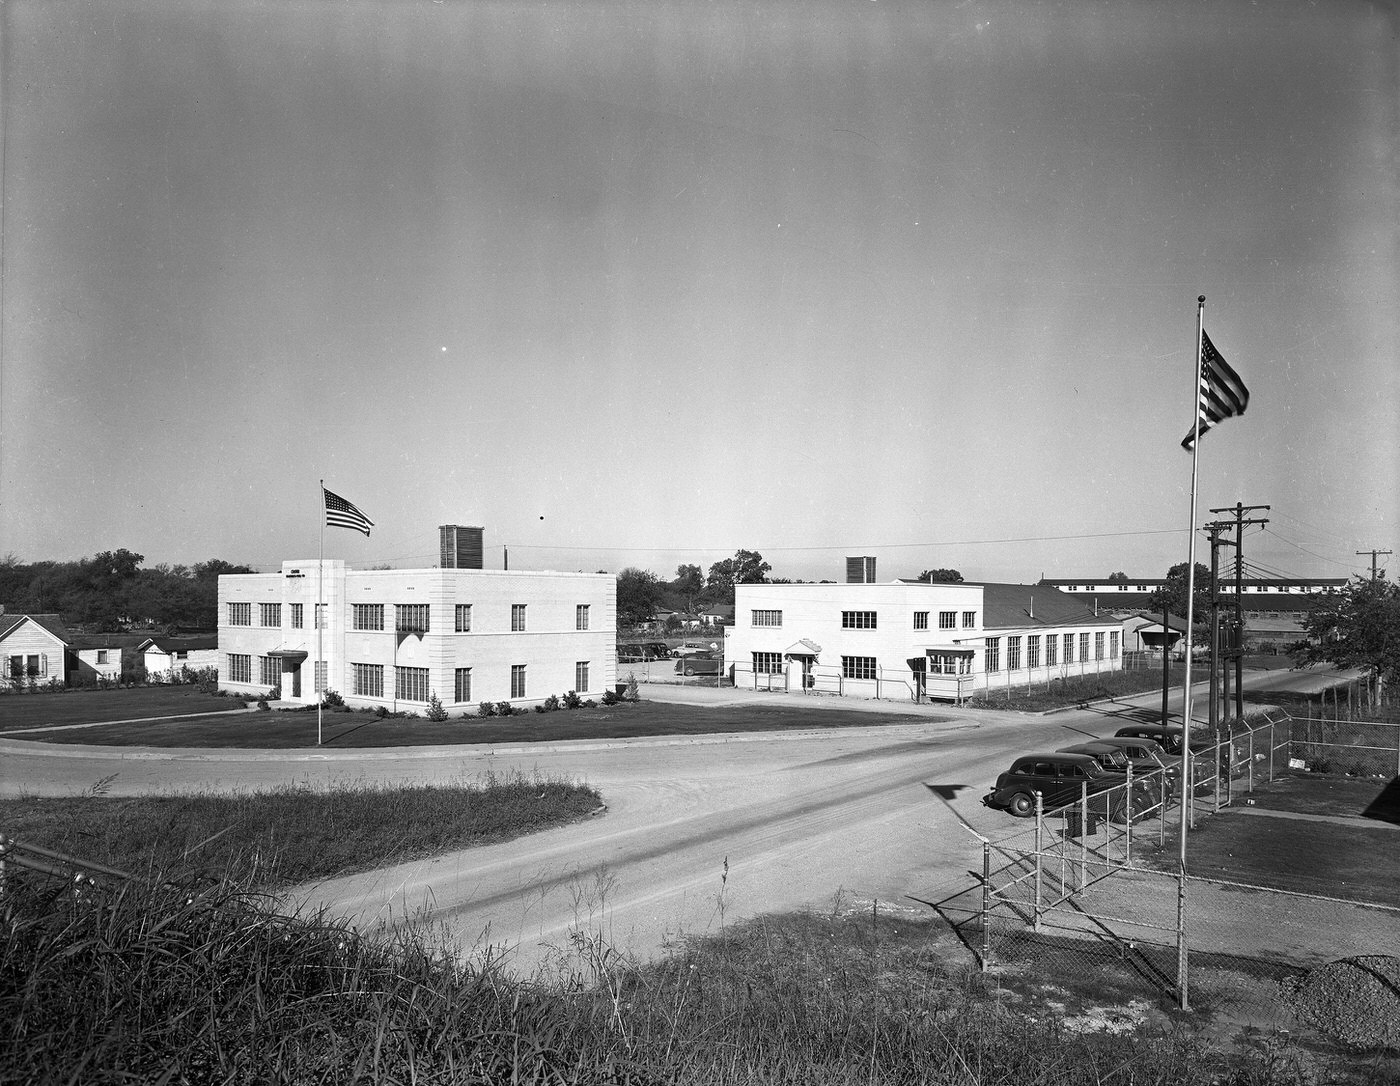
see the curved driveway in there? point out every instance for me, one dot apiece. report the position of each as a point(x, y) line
point(698, 831)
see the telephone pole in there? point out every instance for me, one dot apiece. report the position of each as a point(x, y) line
point(1375, 573)
point(1237, 638)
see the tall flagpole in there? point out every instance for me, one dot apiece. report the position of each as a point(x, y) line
point(316, 613)
point(1186, 790)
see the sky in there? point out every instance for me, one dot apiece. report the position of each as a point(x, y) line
point(642, 284)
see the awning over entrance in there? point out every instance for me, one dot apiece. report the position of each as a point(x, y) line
point(954, 650)
point(803, 648)
point(290, 656)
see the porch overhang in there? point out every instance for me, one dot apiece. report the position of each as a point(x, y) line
point(289, 656)
point(803, 648)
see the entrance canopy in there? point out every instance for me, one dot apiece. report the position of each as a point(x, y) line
point(803, 648)
point(289, 656)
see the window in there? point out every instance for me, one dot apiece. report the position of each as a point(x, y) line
point(858, 667)
point(1143, 588)
point(947, 620)
point(1083, 647)
point(296, 616)
point(411, 617)
point(462, 687)
point(766, 618)
point(517, 617)
point(1033, 650)
point(320, 616)
point(581, 618)
point(581, 677)
point(969, 619)
point(1013, 653)
point(767, 663)
point(464, 618)
point(240, 614)
point(270, 614)
point(1052, 650)
point(921, 620)
point(993, 654)
point(1069, 648)
point(367, 616)
point(1098, 645)
point(101, 656)
point(517, 675)
point(369, 679)
point(857, 620)
point(270, 670)
point(1113, 645)
point(949, 664)
point(240, 667)
point(411, 683)
point(321, 666)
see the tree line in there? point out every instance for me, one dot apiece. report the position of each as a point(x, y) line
point(111, 591)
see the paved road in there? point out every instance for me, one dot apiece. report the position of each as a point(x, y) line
point(698, 831)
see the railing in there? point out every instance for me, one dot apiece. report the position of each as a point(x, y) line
point(43, 861)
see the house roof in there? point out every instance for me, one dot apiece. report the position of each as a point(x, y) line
point(52, 623)
point(1174, 622)
point(1013, 606)
point(179, 644)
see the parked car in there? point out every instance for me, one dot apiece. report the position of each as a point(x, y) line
point(1059, 778)
point(688, 650)
point(1168, 736)
point(702, 664)
point(1147, 789)
point(1148, 758)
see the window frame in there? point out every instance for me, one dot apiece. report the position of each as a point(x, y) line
point(406, 613)
point(581, 677)
point(368, 618)
point(766, 618)
point(580, 616)
point(367, 680)
point(462, 618)
point(461, 676)
point(240, 614)
point(860, 667)
point(991, 655)
point(240, 667)
point(518, 618)
point(860, 620)
point(518, 678)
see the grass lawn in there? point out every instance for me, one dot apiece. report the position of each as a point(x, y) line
point(1353, 860)
point(1058, 693)
point(291, 835)
point(82, 706)
point(286, 730)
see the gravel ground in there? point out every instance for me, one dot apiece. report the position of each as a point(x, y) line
point(1355, 1001)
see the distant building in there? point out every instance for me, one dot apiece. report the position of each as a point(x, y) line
point(914, 639)
point(1273, 609)
point(398, 637)
point(40, 650)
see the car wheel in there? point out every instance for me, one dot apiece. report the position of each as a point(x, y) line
point(690, 671)
point(1022, 805)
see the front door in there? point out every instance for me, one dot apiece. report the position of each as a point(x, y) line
point(295, 671)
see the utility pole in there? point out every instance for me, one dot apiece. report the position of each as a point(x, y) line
point(1215, 527)
point(1237, 649)
point(1375, 573)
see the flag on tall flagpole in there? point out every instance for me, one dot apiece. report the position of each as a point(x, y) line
point(343, 514)
point(1222, 392)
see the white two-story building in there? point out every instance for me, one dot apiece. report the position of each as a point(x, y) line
point(913, 639)
point(399, 637)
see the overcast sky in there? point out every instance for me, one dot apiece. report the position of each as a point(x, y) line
point(637, 284)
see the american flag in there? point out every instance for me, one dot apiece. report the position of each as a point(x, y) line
point(1222, 392)
point(342, 514)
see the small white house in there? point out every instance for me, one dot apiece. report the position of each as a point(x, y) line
point(166, 657)
point(96, 659)
point(34, 649)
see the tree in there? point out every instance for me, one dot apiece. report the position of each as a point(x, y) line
point(638, 594)
point(746, 567)
point(1118, 578)
point(689, 583)
point(1172, 593)
point(941, 576)
point(1358, 626)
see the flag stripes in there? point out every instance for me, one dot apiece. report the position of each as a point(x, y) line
point(342, 514)
point(1223, 394)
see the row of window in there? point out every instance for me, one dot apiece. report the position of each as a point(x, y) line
point(408, 617)
point(1053, 645)
point(410, 683)
point(866, 620)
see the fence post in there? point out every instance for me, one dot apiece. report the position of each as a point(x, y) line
point(1251, 761)
point(1039, 844)
point(1182, 998)
point(986, 904)
point(1272, 740)
point(1083, 833)
point(1128, 832)
point(1216, 756)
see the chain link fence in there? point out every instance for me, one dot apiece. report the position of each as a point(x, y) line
point(1092, 897)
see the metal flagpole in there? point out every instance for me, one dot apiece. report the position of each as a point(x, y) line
point(1186, 790)
point(316, 614)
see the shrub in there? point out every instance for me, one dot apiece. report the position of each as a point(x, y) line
point(263, 706)
point(611, 697)
point(275, 694)
point(504, 708)
point(435, 710)
point(486, 708)
point(332, 700)
point(551, 703)
point(381, 711)
point(571, 700)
